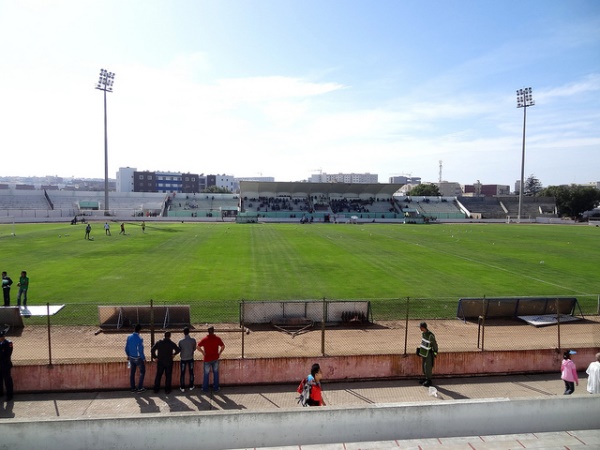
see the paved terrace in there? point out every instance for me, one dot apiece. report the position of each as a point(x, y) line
point(33, 420)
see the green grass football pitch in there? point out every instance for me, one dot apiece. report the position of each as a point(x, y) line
point(212, 266)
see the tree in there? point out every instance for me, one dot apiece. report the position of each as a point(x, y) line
point(574, 200)
point(532, 186)
point(425, 190)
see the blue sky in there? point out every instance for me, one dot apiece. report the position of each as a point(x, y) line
point(289, 88)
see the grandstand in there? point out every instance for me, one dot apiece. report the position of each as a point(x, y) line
point(23, 199)
point(57, 204)
point(285, 201)
point(481, 207)
point(434, 207)
point(319, 201)
point(91, 203)
point(530, 207)
point(501, 207)
point(201, 205)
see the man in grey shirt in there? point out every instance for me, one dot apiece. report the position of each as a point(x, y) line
point(187, 345)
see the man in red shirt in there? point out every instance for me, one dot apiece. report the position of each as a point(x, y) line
point(211, 347)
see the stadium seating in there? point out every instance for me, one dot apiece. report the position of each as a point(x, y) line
point(438, 207)
point(343, 203)
point(487, 207)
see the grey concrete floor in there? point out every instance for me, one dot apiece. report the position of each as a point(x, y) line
point(79, 405)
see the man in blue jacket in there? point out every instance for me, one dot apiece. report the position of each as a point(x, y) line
point(134, 349)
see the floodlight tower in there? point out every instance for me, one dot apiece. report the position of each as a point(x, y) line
point(524, 100)
point(105, 83)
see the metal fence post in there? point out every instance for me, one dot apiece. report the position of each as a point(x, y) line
point(49, 335)
point(481, 324)
point(323, 327)
point(406, 326)
point(243, 327)
point(151, 324)
point(558, 323)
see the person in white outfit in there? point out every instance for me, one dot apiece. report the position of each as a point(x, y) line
point(593, 371)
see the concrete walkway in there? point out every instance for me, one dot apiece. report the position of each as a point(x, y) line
point(117, 404)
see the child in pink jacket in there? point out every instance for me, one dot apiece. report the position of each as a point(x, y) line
point(568, 372)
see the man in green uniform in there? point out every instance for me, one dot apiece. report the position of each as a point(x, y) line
point(23, 287)
point(427, 351)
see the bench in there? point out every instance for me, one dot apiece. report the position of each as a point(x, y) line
point(163, 316)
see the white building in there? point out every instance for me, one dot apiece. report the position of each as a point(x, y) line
point(125, 179)
point(348, 178)
point(449, 188)
point(258, 179)
point(225, 181)
point(405, 180)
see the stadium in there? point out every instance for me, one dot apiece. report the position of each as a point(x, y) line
point(293, 273)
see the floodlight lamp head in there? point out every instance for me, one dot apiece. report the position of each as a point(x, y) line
point(524, 98)
point(105, 80)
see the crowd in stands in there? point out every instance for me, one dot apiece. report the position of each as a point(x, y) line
point(277, 204)
point(362, 206)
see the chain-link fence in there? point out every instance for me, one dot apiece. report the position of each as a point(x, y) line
point(85, 332)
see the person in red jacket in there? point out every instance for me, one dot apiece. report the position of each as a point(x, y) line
point(211, 347)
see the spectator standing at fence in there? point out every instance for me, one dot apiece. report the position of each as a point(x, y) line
point(23, 287)
point(211, 347)
point(164, 351)
point(88, 229)
point(187, 346)
point(134, 349)
point(122, 228)
point(106, 228)
point(568, 372)
point(593, 372)
point(6, 284)
point(6, 349)
point(314, 381)
point(428, 351)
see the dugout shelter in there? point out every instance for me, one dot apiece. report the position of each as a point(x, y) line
point(117, 318)
point(516, 307)
point(295, 316)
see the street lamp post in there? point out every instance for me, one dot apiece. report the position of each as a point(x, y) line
point(105, 83)
point(524, 100)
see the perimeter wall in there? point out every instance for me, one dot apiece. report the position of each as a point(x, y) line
point(317, 426)
point(115, 375)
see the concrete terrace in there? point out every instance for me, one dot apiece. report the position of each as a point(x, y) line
point(501, 412)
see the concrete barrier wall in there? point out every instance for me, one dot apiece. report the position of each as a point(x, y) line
point(115, 375)
point(303, 426)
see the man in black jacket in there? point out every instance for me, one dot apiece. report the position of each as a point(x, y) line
point(163, 351)
point(6, 349)
point(6, 283)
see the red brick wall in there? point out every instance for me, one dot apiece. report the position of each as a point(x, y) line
point(113, 375)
